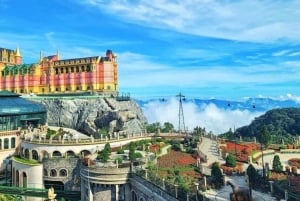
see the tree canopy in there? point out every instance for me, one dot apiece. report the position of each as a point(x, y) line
point(103, 155)
point(284, 123)
point(165, 128)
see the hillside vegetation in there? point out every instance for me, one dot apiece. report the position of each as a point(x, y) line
point(281, 123)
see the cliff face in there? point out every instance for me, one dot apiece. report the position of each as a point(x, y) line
point(92, 115)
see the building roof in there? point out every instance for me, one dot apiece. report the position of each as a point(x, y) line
point(16, 68)
point(6, 93)
point(12, 104)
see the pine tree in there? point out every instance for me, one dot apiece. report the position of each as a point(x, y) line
point(216, 173)
point(277, 166)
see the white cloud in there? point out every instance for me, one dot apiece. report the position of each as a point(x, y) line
point(281, 53)
point(294, 54)
point(250, 20)
point(291, 97)
point(211, 117)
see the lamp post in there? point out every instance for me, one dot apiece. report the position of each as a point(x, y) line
point(262, 160)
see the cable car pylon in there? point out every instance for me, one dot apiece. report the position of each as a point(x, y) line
point(181, 125)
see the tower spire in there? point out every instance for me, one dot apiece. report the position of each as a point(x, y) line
point(18, 54)
point(18, 57)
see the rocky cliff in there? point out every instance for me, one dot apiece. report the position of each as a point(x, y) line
point(93, 115)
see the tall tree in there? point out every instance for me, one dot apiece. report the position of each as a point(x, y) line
point(167, 127)
point(132, 148)
point(103, 155)
point(107, 148)
point(252, 177)
point(265, 137)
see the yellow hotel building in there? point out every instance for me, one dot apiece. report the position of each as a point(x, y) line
point(52, 75)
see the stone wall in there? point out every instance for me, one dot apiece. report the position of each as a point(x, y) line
point(72, 166)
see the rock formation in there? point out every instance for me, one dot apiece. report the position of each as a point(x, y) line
point(94, 114)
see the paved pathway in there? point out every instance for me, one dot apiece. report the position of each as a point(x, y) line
point(210, 149)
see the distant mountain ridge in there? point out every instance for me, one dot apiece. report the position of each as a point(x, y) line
point(253, 104)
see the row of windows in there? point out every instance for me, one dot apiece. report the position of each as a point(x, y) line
point(8, 123)
point(35, 155)
point(77, 88)
point(17, 72)
point(6, 143)
point(11, 59)
point(55, 173)
point(73, 69)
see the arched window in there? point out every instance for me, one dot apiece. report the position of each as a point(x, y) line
point(56, 154)
point(35, 155)
point(133, 196)
point(24, 175)
point(26, 153)
point(70, 154)
point(13, 142)
point(53, 173)
point(17, 178)
point(63, 173)
point(6, 143)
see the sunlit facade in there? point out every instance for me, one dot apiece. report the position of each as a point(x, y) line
point(52, 75)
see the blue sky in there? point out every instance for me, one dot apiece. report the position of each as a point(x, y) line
point(202, 48)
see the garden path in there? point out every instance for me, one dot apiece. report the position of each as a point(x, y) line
point(210, 148)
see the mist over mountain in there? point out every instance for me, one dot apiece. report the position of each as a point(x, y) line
point(215, 115)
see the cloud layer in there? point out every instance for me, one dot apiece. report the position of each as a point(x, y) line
point(215, 119)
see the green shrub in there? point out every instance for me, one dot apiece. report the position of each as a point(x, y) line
point(120, 151)
point(120, 160)
point(230, 161)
